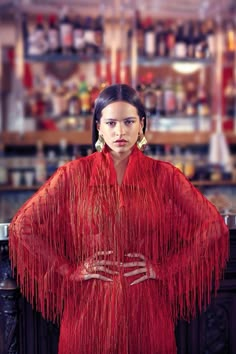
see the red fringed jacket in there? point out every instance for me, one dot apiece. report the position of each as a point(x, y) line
point(80, 211)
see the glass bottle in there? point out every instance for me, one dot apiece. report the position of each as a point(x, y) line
point(149, 38)
point(53, 36)
point(139, 33)
point(66, 32)
point(180, 42)
point(40, 164)
point(3, 166)
point(78, 37)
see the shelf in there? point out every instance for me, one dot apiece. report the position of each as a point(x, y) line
point(48, 137)
point(10, 188)
point(213, 183)
point(62, 57)
point(180, 138)
point(160, 61)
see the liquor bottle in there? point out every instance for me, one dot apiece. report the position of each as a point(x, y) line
point(189, 165)
point(51, 163)
point(159, 99)
point(180, 95)
point(40, 164)
point(66, 32)
point(170, 39)
point(180, 43)
point(200, 42)
point(89, 37)
point(37, 43)
point(63, 155)
point(230, 99)
point(191, 94)
point(139, 29)
point(53, 36)
point(149, 38)
point(99, 34)
point(190, 40)
point(78, 37)
point(211, 38)
point(203, 106)
point(161, 44)
point(149, 96)
point(177, 159)
point(84, 96)
point(3, 166)
point(230, 37)
point(169, 98)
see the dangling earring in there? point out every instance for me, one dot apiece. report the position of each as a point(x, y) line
point(141, 142)
point(100, 143)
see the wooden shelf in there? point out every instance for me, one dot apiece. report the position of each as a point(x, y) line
point(160, 61)
point(213, 183)
point(10, 188)
point(180, 138)
point(230, 183)
point(49, 137)
point(55, 58)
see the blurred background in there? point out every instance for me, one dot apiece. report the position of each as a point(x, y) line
point(56, 58)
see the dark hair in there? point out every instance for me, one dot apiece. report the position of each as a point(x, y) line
point(114, 93)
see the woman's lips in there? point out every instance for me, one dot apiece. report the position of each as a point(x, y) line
point(121, 141)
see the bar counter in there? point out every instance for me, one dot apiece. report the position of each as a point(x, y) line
point(24, 331)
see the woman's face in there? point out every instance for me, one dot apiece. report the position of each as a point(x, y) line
point(120, 126)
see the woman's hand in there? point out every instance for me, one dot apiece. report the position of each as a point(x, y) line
point(148, 271)
point(92, 267)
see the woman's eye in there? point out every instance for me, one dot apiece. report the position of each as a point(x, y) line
point(111, 124)
point(129, 121)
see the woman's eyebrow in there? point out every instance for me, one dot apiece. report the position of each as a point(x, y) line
point(114, 119)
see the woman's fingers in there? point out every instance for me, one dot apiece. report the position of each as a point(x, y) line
point(136, 271)
point(133, 264)
point(96, 276)
point(145, 277)
point(105, 262)
point(105, 270)
point(140, 255)
point(102, 253)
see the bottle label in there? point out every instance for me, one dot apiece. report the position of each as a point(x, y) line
point(169, 99)
point(78, 39)
point(211, 45)
point(3, 174)
point(180, 50)
point(66, 35)
point(53, 39)
point(150, 43)
point(89, 36)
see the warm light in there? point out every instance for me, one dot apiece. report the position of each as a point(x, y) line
point(186, 68)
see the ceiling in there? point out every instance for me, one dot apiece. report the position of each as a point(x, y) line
point(156, 8)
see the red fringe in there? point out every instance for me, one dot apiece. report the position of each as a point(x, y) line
point(156, 212)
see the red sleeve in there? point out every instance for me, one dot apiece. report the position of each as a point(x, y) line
point(197, 248)
point(39, 236)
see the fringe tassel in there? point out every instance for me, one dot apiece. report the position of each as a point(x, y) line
point(156, 212)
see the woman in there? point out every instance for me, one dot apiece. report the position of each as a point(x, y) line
point(118, 246)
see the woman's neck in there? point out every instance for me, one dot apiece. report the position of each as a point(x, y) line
point(120, 163)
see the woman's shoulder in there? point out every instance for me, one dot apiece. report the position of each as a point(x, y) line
point(80, 165)
point(159, 164)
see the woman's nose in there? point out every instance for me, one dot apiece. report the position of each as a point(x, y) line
point(120, 129)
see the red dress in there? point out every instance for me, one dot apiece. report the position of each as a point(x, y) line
point(81, 211)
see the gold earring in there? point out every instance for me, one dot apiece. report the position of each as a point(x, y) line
point(141, 142)
point(100, 143)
